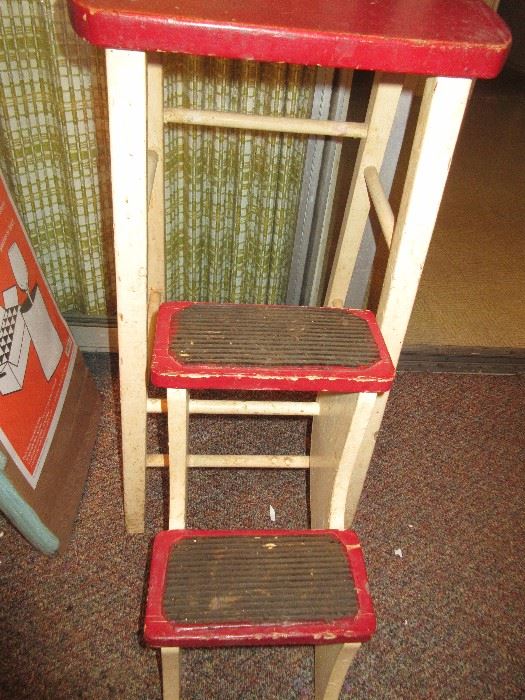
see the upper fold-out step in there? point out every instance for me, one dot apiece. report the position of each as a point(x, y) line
point(460, 38)
point(253, 346)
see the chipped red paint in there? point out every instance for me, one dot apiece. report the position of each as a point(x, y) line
point(460, 38)
point(160, 632)
point(168, 372)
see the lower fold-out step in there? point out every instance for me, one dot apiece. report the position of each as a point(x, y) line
point(265, 587)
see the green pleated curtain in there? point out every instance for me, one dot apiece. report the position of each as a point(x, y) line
point(231, 197)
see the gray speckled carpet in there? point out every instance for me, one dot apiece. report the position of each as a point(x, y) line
point(446, 489)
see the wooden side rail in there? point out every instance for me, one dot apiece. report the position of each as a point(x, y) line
point(382, 107)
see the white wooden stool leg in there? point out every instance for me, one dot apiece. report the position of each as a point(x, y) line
point(170, 659)
point(337, 434)
point(363, 458)
point(178, 424)
point(440, 118)
point(332, 662)
point(126, 73)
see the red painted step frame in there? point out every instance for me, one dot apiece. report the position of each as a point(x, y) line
point(459, 38)
point(160, 632)
point(167, 372)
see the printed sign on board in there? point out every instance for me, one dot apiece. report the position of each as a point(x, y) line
point(37, 352)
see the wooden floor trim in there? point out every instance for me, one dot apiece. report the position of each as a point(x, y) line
point(99, 335)
point(462, 360)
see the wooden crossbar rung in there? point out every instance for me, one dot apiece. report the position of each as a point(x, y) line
point(381, 204)
point(153, 159)
point(293, 125)
point(238, 461)
point(156, 405)
point(250, 408)
point(241, 408)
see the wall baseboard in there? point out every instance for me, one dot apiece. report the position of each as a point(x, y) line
point(93, 334)
point(462, 360)
point(100, 335)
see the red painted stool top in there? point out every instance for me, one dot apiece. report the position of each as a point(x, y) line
point(430, 37)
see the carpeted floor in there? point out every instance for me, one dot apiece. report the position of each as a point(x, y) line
point(446, 487)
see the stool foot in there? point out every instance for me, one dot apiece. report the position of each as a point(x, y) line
point(331, 665)
point(170, 673)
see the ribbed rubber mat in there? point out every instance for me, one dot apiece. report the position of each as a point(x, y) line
point(271, 579)
point(260, 336)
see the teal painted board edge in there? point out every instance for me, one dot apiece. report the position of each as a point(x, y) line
point(23, 516)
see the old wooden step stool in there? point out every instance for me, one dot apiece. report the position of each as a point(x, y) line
point(267, 587)
point(448, 41)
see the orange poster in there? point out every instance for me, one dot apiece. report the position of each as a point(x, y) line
point(37, 352)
